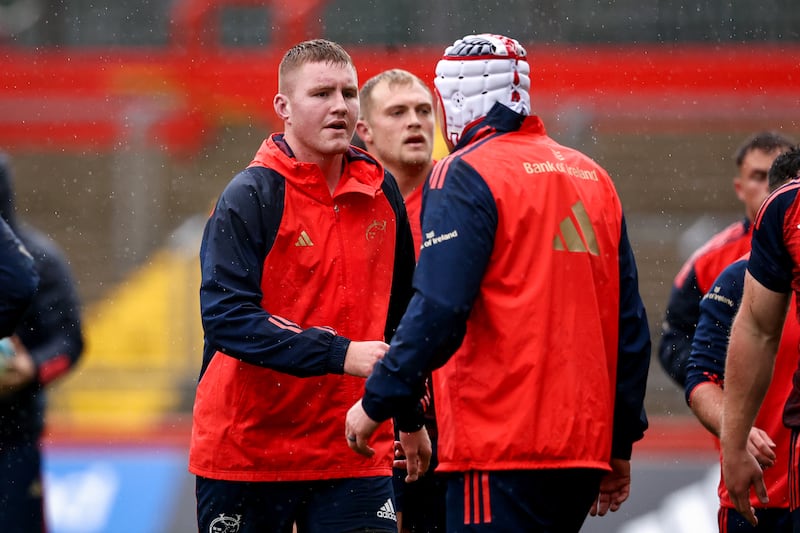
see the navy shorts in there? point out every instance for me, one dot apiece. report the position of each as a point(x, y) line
point(544, 501)
point(422, 502)
point(328, 506)
point(769, 519)
point(21, 500)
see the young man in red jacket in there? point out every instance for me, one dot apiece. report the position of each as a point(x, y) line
point(306, 266)
point(526, 302)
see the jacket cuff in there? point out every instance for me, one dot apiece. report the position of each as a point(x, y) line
point(336, 353)
point(622, 451)
point(408, 420)
point(411, 420)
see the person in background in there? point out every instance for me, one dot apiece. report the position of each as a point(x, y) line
point(771, 277)
point(397, 127)
point(769, 438)
point(526, 303)
point(18, 279)
point(753, 160)
point(47, 343)
point(306, 266)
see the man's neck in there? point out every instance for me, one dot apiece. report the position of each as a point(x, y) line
point(331, 165)
point(409, 178)
point(332, 168)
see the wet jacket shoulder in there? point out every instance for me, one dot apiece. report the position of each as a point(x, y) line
point(18, 279)
point(776, 241)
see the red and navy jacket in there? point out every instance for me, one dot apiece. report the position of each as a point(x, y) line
point(526, 302)
point(290, 275)
point(706, 367)
point(693, 281)
point(775, 263)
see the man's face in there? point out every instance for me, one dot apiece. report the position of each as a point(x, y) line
point(399, 129)
point(751, 183)
point(319, 109)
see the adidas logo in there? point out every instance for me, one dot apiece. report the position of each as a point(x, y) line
point(387, 511)
point(304, 240)
point(575, 233)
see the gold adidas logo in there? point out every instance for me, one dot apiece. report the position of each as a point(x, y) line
point(578, 237)
point(304, 240)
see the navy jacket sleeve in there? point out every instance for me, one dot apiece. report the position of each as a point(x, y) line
point(680, 321)
point(236, 240)
point(717, 311)
point(18, 280)
point(630, 420)
point(51, 329)
point(413, 417)
point(446, 283)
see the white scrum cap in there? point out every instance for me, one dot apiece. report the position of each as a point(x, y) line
point(476, 72)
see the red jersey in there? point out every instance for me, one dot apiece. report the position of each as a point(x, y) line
point(720, 251)
point(414, 209)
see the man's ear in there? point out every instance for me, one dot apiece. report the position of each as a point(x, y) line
point(364, 131)
point(282, 107)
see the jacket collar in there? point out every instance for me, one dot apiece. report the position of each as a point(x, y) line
point(499, 119)
point(361, 174)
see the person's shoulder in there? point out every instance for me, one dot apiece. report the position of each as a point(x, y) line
point(781, 200)
point(727, 237)
point(727, 288)
point(39, 244)
point(732, 274)
point(255, 179)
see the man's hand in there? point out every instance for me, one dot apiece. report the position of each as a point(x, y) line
point(362, 356)
point(19, 371)
point(741, 470)
point(413, 452)
point(615, 487)
point(762, 447)
point(358, 428)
